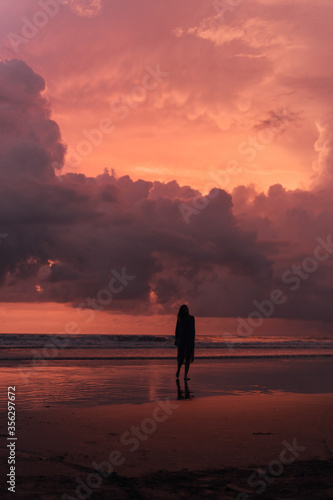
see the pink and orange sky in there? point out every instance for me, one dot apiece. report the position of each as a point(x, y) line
point(117, 115)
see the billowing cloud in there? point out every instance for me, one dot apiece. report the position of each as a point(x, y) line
point(323, 166)
point(86, 8)
point(69, 235)
point(82, 240)
point(225, 74)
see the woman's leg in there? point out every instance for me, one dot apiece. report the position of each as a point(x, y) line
point(189, 356)
point(180, 357)
point(187, 367)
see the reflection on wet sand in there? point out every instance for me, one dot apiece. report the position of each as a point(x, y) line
point(184, 394)
point(94, 383)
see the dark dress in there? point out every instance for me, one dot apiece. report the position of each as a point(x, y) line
point(185, 336)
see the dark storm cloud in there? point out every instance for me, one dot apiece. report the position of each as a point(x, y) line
point(68, 236)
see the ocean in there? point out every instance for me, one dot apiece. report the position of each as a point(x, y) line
point(92, 370)
point(93, 346)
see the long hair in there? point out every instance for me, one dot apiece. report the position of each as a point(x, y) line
point(183, 312)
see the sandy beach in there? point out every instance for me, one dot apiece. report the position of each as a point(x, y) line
point(166, 250)
point(212, 447)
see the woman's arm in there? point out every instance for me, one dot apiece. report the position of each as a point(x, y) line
point(177, 333)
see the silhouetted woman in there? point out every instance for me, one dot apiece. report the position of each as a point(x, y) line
point(185, 336)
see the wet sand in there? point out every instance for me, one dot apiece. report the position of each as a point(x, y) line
point(210, 447)
point(93, 383)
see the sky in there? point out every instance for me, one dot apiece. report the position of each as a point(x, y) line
point(155, 153)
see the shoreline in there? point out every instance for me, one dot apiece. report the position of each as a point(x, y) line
point(172, 358)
